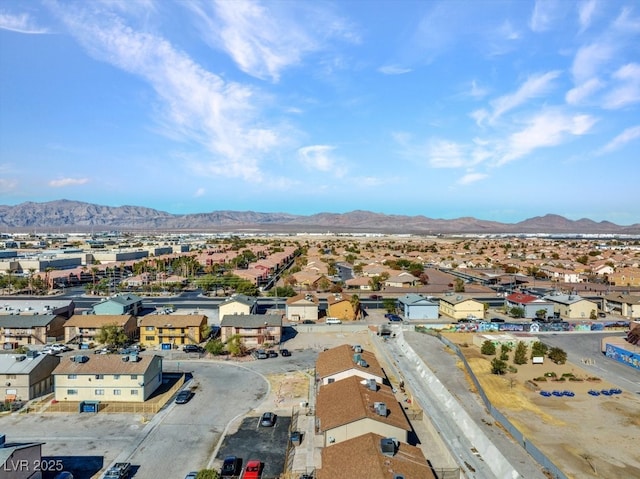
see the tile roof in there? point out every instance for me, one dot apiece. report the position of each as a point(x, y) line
point(340, 359)
point(96, 320)
point(172, 320)
point(521, 298)
point(361, 458)
point(349, 400)
point(104, 364)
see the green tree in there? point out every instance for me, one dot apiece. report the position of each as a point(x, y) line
point(504, 352)
point(208, 474)
point(215, 347)
point(498, 366)
point(458, 285)
point(520, 355)
point(538, 349)
point(112, 335)
point(517, 312)
point(389, 304)
point(235, 346)
point(488, 348)
point(593, 314)
point(557, 355)
point(541, 313)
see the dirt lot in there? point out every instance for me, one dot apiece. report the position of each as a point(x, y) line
point(585, 436)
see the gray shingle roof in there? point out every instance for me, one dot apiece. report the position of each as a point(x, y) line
point(25, 321)
point(251, 320)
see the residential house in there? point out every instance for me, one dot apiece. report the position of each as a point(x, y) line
point(345, 361)
point(362, 283)
point(302, 307)
point(352, 407)
point(460, 307)
point(625, 277)
point(108, 378)
point(82, 328)
point(238, 304)
point(561, 275)
point(572, 306)
point(339, 305)
point(530, 305)
point(386, 458)
point(254, 330)
point(310, 280)
point(18, 460)
point(627, 305)
point(125, 303)
point(17, 329)
point(402, 280)
point(416, 306)
point(170, 331)
point(27, 376)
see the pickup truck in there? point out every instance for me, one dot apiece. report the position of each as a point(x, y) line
point(120, 470)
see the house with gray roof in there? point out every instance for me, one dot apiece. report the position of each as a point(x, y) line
point(572, 306)
point(238, 304)
point(415, 306)
point(627, 305)
point(15, 455)
point(27, 376)
point(254, 330)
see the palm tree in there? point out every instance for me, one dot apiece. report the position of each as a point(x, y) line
point(94, 272)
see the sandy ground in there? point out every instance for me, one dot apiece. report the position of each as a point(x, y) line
point(585, 436)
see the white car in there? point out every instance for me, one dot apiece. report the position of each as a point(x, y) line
point(332, 321)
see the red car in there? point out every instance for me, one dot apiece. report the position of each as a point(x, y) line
point(253, 470)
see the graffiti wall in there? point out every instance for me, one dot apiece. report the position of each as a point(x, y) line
point(621, 355)
point(532, 327)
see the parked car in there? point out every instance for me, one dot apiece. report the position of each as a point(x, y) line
point(394, 317)
point(191, 475)
point(375, 296)
point(285, 352)
point(497, 320)
point(268, 419)
point(332, 321)
point(192, 348)
point(253, 470)
point(308, 321)
point(260, 354)
point(272, 354)
point(120, 470)
point(602, 315)
point(183, 396)
point(231, 466)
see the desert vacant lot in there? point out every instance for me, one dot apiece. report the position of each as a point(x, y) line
point(585, 436)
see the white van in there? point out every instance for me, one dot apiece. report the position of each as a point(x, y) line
point(332, 321)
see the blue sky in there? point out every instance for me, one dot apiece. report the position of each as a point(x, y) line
point(498, 110)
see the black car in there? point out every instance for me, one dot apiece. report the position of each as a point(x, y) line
point(497, 320)
point(285, 352)
point(308, 321)
point(394, 317)
point(192, 348)
point(183, 396)
point(272, 354)
point(231, 466)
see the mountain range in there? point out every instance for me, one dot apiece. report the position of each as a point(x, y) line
point(77, 216)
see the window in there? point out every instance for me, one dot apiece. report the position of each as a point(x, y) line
point(116, 376)
point(149, 328)
point(149, 338)
point(330, 380)
point(99, 392)
point(72, 376)
point(72, 392)
point(11, 376)
point(134, 392)
point(116, 392)
point(134, 376)
point(99, 376)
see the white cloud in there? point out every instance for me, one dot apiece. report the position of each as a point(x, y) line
point(200, 192)
point(476, 91)
point(471, 178)
point(64, 182)
point(586, 10)
point(225, 118)
point(535, 86)
point(627, 90)
point(22, 23)
point(542, 15)
point(446, 154)
point(589, 59)
point(393, 70)
point(318, 157)
point(7, 184)
point(582, 92)
point(622, 139)
point(548, 128)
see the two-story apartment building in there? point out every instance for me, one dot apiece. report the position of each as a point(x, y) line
point(460, 307)
point(108, 378)
point(172, 330)
point(25, 377)
point(254, 330)
point(18, 330)
point(125, 303)
point(302, 307)
point(572, 306)
point(345, 361)
point(82, 328)
point(627, 305)
point(416, 306)
point(339, 305)
point(238, 304)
